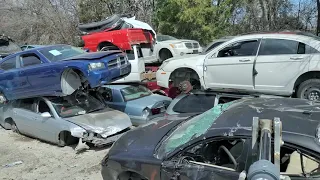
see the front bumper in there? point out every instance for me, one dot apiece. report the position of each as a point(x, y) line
point(163, 78)
point(108, 173)
point(184, 51)
point(101, 77)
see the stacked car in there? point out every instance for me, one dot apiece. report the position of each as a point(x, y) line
point(64, 95)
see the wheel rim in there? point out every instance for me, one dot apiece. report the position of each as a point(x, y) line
point(312, 94)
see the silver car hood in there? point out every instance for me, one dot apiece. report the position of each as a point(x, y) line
point(105, 122)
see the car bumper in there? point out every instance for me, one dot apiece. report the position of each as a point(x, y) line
point(163, 78)
point(184, 51)
point(108, 173)
point(101, 77)
point(98, 141)
point(138, 120)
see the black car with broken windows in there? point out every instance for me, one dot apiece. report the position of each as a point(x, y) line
point(217, 144)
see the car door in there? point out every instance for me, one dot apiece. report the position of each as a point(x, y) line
point(113, 99)
point(12, 79)
point(232, 65)
point(40, 75)
point(280, 61)
point(48, 128)
point(23, 115)
point(203, 161)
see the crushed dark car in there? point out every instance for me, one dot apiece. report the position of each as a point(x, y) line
point(217, 144)
point(7, 46)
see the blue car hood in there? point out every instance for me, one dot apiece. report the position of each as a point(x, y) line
point(93, 56)
point(150, 101)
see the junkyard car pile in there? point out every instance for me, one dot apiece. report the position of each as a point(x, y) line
point(65, 95)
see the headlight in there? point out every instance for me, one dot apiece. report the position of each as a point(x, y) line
point(145, 112)
point(95, 66)
point(177, 45)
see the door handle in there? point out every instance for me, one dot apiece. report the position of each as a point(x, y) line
point(296, 58)
point(244, 60)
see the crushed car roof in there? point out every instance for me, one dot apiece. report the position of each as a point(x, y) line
point(300, 118)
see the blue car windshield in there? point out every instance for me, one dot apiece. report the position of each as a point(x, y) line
point(58, 53)
point(135, 92)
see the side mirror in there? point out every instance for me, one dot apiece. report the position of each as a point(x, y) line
point(46, 115)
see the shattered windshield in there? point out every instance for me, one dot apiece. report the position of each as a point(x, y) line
point(135, 92)
point(165, 38)
point(57, 53)
point(76, 106)
point(191, 129)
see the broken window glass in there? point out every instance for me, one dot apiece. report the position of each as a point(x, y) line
point(192, 129)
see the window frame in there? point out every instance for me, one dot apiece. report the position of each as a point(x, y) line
point(17, 64)
point(20, 59)
point(200, 140)
point(277, 38)
point(19, 102)
point(305, 153)
point(216, 53)
point(38, 105)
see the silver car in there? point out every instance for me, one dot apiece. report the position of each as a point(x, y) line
point(65, 121)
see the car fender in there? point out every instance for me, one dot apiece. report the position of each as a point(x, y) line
point(159, 46)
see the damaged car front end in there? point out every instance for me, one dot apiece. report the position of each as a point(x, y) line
point(66, 120)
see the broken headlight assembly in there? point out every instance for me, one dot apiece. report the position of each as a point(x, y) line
point(145, 112)
point(96, 66)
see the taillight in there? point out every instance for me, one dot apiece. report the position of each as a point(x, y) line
point(155, 111)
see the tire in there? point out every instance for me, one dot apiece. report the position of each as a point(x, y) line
point(309, 89)
point(66, 139)
point(14, 127)
point(70, 82)
point(3, 99)
point(107, 47)
point(164, 55)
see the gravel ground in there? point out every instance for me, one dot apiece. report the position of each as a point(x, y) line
point(46, 161)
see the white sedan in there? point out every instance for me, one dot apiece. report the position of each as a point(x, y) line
point(167, 47)
point(284, 63)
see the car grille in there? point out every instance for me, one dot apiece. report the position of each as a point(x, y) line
point(192, 45)
point(114, 63)
point(188, 45)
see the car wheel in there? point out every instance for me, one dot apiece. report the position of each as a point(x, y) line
point(70, 82)
point(14, 127)
point(309, 89)
point(66, 139)
point(3, 99)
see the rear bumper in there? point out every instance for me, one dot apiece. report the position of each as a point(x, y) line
point(101, 77)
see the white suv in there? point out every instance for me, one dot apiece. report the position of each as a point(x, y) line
point(273, 63)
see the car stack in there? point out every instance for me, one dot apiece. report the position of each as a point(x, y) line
point(65, 95)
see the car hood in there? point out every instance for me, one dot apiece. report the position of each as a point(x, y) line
point(187, 57)
point(179, 41)
point(93, 55)
point(105, 122)
point(152, 101)
point(142, 141)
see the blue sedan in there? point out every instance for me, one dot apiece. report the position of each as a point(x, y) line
point(58, 70)
point(137, 101)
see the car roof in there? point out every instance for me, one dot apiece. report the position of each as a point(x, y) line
point(298, 117)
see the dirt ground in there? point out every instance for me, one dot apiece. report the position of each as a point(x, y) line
point(46, 161)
